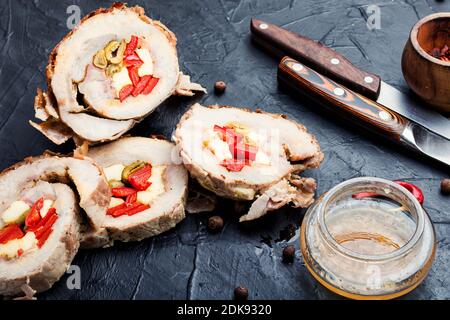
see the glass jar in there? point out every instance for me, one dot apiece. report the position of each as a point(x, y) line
point(378, 245)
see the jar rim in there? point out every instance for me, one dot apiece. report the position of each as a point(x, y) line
point(420, 223)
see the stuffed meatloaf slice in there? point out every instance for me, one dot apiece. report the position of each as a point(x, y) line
point(39, 221)
point(115, 68)
point(245, 155)
point(148, 185)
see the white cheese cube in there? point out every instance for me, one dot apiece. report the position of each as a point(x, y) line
point(10, 249)
point(121, 79)
point(220, 149)
point(16, 213)
point(28, 242)
point(147, 67)
point(114, 172)
point(115, 202)
point(47, 205)
point(156, 188)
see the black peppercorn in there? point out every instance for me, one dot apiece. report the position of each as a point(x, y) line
point(445, 186)
point(219, 87)
point(215, 223)
point(288, 254)
point(241, 293)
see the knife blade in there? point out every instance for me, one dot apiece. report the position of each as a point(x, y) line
point(282, 42)
point(365, 112)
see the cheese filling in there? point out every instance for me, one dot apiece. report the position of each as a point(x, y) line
point(14, 225)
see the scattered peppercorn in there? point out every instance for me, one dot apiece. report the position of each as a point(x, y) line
point(241, 293)
point(288, 254)
point(219, 87)
point(215, 223)
point(445, 186)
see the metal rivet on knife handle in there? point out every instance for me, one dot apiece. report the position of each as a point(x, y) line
point(263, 26)
point(343, 100)
point(335, 61)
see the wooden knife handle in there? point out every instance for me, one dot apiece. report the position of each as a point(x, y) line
point(360, 108)
point(328, 62)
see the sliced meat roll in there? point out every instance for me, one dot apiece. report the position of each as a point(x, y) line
point(115, 68)
point(243, 155)
point(39, 220)
point(148, 185)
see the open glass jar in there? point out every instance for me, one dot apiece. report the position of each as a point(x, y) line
point(375, 247)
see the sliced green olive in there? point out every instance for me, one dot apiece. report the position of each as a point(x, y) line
point(114, 51)
point(130, 169)
point(100, 59)
point(112, 69)
point(115, 184)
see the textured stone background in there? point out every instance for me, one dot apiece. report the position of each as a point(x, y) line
point(214, 44)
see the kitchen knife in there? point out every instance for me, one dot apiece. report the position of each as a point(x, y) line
point(364, 111)
point(328, 62)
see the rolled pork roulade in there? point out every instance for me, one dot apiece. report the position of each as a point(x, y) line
point(148, 184)
point(40, 219)
point(107, 74)
point(245, 155)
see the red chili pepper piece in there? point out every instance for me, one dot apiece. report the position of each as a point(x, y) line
point(20, 252)
point(132, 198)
point(34, 215)
point(131, 46)
point(137, 209)
point(141, 85)
point(139, 179)
point(122, 192)
point(233, 165)
point(150, 86)
point(44, 221)
point(134, 76)
point(132, 60)
point(113, 210)
point(415, 190)
point(125, 92)
point(124, 209)
point(44, 237)
point(11, 232)
point(39, 232)
point(244, 151)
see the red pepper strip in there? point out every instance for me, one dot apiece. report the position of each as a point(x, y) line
point(131, 46)
point(133, 60)
point(125, 92)
point(122, 192)
point(150, 86)
point(132, 198)
point(244, 151)
point(140, 208)
point(11, 232)
point(113, 210)
point(139, 179)
point(134, 76)
point(141, 85)
point(44, 220)
point(123, 209)
point(34, 216)
point(233, 165)
point(40, 232)
point(44, 237)
point(415, 190)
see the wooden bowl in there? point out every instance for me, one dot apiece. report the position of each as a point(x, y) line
point(429, 77)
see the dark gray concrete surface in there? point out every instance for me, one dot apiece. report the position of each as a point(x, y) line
point(214, 44)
